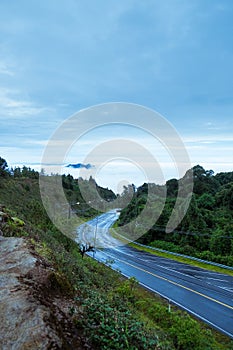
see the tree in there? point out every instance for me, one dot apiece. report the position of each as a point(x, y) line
point(17, 172)
point(204, 181)
point(3, 168)
point(172, 187)
point(224, 178)
point(220, 242)
point(225, 196)
point(193, 220)
point(83, 248)
point(206, 201)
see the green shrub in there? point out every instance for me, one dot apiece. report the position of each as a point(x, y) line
point(109, 327)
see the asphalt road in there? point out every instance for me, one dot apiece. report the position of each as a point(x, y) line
point(207, 295)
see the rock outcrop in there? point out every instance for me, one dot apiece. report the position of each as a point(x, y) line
point(32, 313)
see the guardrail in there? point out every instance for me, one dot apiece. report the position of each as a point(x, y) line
point(177, 254)
point(185, 256)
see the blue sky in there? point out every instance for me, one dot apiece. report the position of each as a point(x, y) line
point(173, 56)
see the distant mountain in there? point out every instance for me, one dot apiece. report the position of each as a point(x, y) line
point(80, 166)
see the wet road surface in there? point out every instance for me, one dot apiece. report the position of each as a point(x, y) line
point(205, 294)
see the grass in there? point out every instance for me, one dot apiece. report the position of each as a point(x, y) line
point(181, 259)
point(110, 311)
point(104, 295)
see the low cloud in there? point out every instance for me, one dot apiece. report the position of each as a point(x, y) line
point(80, 166)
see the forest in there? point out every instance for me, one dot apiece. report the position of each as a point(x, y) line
point(206, 230)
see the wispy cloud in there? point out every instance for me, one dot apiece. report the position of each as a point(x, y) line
point(208, 139)
point(173, 56)
point(5, 69)
point(12, 105)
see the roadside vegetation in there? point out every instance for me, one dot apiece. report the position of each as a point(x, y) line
point(109, 311)
point(206, 231)
point(184, 260)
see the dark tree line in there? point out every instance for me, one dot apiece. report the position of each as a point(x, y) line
point(4, 172)
point(17, 172)
point(206, 231)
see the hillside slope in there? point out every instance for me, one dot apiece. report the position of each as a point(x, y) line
point(78, 303)
point(34, 310)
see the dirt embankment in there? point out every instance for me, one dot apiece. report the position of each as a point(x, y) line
point(34, 308)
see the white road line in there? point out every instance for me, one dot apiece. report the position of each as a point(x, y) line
point(180, 305)
point(216, 279)
point(187, 309)
point(226, 288)
point(172, 270)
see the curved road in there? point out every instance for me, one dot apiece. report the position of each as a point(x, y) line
point(207, 295)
